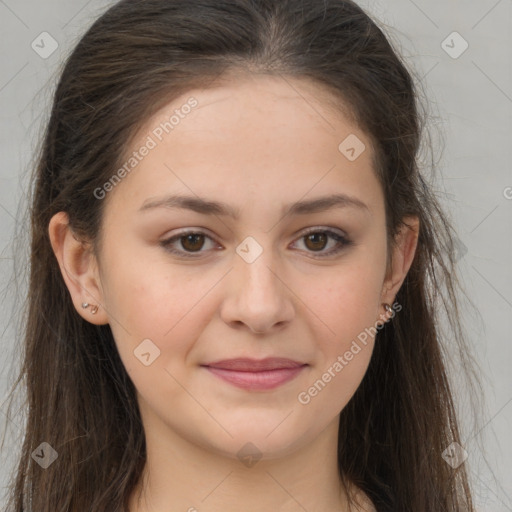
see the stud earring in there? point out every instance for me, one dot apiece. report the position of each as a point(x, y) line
point(388, 309)
point(94, 309)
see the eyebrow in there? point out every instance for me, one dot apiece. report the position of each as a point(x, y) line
point(210, 207)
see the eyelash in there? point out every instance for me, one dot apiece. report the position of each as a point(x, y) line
point(331, 234)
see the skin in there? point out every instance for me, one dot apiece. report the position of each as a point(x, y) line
point(257, 143)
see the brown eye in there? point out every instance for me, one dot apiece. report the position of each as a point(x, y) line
point(188, 244)
point(324, 242)
point(316, 241)
point(192, 242)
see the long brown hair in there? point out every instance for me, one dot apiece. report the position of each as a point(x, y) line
point(135, 58)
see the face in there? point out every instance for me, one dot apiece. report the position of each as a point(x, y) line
point(252, 266)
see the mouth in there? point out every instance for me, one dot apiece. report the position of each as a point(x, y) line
point(253, 374)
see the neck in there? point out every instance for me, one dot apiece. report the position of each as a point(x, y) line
point(179, 475)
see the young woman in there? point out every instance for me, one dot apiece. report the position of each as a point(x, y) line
point(236, 272)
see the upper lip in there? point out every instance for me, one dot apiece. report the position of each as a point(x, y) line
point(255, 365)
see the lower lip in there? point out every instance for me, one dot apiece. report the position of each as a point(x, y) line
point(263, 380)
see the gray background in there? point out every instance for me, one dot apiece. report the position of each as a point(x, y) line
point(471, 103)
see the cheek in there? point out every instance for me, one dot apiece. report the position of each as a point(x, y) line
point(149, 300)
point(344, 349)
point(347, 301)
point(169, 310)
point(149, 296)
point(348, 305)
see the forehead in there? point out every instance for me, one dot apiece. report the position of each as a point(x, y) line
point(244, 94)
point(249, 139)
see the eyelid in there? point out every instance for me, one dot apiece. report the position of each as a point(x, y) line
point(323, 229)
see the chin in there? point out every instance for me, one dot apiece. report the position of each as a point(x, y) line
point(254, 442)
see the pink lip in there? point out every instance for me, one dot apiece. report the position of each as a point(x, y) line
point(256, 374)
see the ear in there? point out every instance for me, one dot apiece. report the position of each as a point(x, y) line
point(79, 269)
point(403, 251)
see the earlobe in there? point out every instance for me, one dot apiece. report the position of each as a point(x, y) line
point(402, 257)
point(78, 267)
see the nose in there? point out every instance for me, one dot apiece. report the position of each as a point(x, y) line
point(257, 295)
